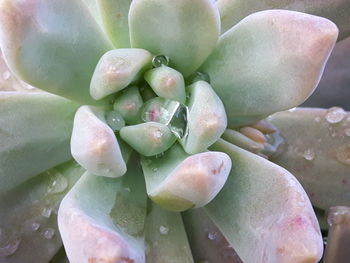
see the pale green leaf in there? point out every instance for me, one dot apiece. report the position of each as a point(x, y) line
point(264, 212)
point(35, 130)
point(166, 237)
point(185, 31)
point(114, 14)
point(232, 11)
point(53, 45)
point(271, 61)
point(28, 222)
point(102, 219)
point(317, 152)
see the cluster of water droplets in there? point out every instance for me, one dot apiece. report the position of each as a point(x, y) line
point(37, 217)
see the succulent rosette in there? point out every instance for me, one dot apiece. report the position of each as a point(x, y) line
point(156, 109)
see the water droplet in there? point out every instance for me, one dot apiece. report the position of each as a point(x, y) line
point(58, 184)
point(178, 122)
point(159, 155)
point(309, 154)
point(347, 131)
point(160, 60)
point(199, 76)
point(115, 120)
point(337, 215)
point(325, 241)
point(46, 212)
point(158, 134)
point(154, 110)
point(318, 119)
point(212, 235)
point(49, 233)
point(6, 75)
point(335, 115)
point(154, 169)
point(164, 230)
point(35, 226)
point(10, 248)
point(127, 189)
point(342, 154)
point(168, 112)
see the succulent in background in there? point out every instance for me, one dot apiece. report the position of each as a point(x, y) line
point(162, 113)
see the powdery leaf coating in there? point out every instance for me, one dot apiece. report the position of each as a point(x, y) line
point(270, 61)
point(193, 182)
point(53, 45)
point(91, 231)
point(232, 11)
point(264, 212)
point(207, 118)
point(117, 69)
point(94, 145)
point(185, 31)
point(320, 158)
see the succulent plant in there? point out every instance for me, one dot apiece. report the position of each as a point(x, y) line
point(171, 121)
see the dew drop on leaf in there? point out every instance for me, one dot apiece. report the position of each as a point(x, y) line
point(160, 60)
point(58, 184)
point(309, 154)
point(335, 115)
point(212, 235)
point(6, 75)
point(46, 212)
point(35, 226)
point(347, 131)
point(164, 230)
point(169, 112)
point(10, 248)
point(49, 233)
point(115, 120)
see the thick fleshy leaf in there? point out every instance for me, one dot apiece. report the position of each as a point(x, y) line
point(333, 88)
point(177, 181)
point(271, 61)
point(207, 118)
point(128, 104)
point(317, 152)
point(166, 237)
point(53, 45)
point(185, 31)
point(28, 222)
point(207, 242)
point(34, 135)
point(114, 14)
point(149, 138)
point(337, 249)
point(167, 83)
point(94, 144)
point(264, 212)
point(117, 69)
point(102, 219)
point(232, 11)
point(9, 82)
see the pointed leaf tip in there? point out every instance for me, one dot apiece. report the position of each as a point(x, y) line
point(94, 145)
point(52, 45)
point(117, 69)
point(270, 61)
point(177, 181)
point(264, 212)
